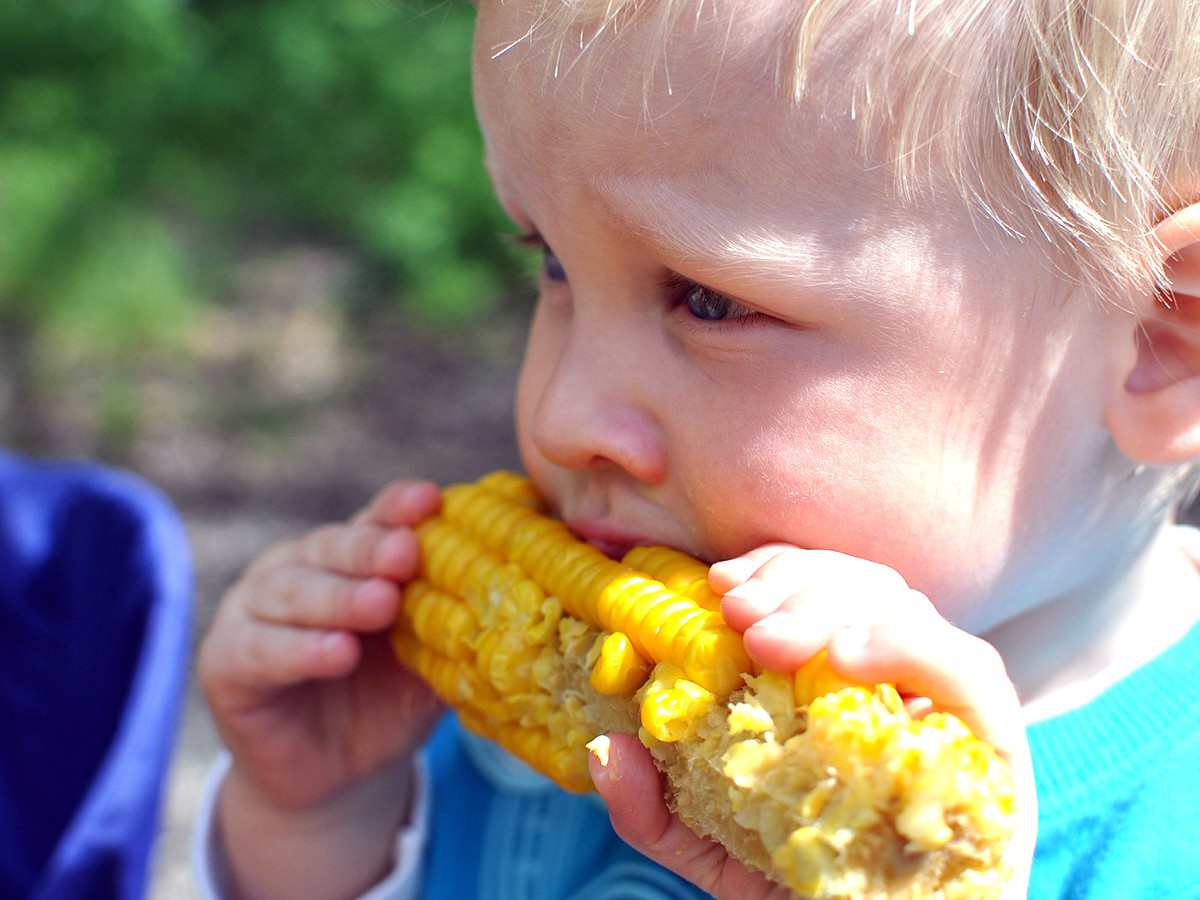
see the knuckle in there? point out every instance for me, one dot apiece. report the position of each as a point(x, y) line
point(989, 659)
point(341, 599)
point(273, 557)
point(353, 549)
point(272, 596)
point(879, 577)
point(318, 546)
point(785, 565)
point(255, 657)
point(364, 550)
point(209, 670)
point(920, 603)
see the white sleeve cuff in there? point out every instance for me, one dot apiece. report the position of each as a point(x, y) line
point(208, 861)
point(211, 871)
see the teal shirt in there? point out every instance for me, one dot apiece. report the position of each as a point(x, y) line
point(500, 832)
point(1118, 784)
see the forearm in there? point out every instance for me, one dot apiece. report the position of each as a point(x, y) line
point(339, 850)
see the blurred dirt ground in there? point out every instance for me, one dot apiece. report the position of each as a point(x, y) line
point(278, 415)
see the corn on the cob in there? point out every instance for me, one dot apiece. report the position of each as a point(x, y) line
point(542, 643)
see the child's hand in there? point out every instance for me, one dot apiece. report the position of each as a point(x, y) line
point(300, 678)
point(789, 604)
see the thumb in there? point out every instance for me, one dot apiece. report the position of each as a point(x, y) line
point(625, 776)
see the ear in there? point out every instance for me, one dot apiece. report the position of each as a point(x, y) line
point(1155, 415)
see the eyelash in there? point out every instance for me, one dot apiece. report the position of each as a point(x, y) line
point(681, 291)
point(551, 267)
point(684, 292)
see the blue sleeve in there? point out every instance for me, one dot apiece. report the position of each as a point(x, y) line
point(461, 799)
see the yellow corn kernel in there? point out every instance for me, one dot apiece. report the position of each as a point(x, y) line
point(456, 684)
point(513, 486)
point(440, 622)
point(606, 594)
point(506, 660)
point(677, 571)
point(816, 678)
point(671, 714)
point(541, 642)
point(619, 668)
point(600, 745)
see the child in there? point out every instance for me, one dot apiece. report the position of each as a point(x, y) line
point(890, 309)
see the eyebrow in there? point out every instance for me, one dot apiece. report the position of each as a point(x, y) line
point(678, 224)
point(679, 228)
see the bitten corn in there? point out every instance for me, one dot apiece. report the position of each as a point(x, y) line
point(543, 643)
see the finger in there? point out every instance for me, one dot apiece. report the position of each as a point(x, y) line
point(403, 503)
point(792, 604)
point(267, 657)
point(312, 598)
point(809, 618)
point(959, 673)
point(728, 573)
point(359, 550)
point(790, 573)
point(632, 789)
point(626, 778)
point(759, 593)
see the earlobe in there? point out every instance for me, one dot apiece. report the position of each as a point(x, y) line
point(1155, 415)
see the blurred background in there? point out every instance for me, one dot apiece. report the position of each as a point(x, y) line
point(248, 250)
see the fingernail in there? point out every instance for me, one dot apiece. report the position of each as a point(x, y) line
point(733, 570)
point(374, 591)
point(397, 542)
point(333, 643)
point(779, 621)
point(754, 598)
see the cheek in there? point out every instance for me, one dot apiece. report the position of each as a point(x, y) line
point(858, 471)
point(536, 367)
point(543, 348)
point(977, 510)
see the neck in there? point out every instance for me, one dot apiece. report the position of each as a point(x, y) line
point(1063, 653)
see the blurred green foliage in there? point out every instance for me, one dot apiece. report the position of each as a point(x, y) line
point(145, 144)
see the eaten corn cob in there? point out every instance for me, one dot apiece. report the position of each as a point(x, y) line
point(542, 643)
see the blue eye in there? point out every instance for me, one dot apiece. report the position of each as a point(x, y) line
point(551, 266)
point(709, 306)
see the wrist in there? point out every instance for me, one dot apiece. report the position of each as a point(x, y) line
point(337, 848)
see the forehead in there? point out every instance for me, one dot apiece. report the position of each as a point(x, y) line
point(698, 106)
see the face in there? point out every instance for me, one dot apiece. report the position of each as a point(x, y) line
point(743, 336)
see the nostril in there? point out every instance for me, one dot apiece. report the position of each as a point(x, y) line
point(586, 403)
point(600, 433)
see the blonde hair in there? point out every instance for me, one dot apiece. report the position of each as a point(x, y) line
point(1078, 120)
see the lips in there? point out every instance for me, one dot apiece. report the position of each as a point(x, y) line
point(612, 543)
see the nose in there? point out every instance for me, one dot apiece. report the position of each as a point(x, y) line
point(594, 405)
